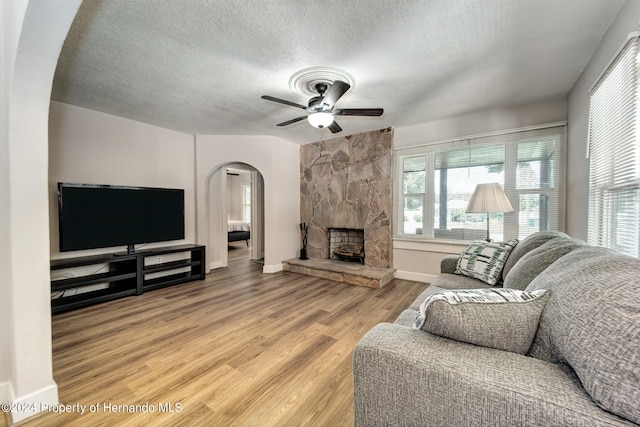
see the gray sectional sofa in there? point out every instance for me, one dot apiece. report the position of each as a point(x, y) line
point(582, 368)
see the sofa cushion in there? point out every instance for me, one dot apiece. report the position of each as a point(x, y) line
point(504, 319)
point(591, 322)
point(528, 244)
point(484, 260)
point(537, 260)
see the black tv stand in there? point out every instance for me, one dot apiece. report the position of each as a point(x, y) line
point(123, 275)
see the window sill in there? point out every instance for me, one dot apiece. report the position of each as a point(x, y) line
point(429, 245)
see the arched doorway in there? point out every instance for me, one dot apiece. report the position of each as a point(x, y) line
point(234, 213)
point(29, 55)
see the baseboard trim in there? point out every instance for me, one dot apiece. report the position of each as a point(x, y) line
point(416, 277)
point(273, 268)
point(35, 402)
point(214, 265)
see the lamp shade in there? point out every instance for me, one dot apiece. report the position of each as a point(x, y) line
point(320, 119)
point(489, 198)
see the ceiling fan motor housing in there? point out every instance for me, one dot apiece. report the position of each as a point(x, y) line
point(315, 103)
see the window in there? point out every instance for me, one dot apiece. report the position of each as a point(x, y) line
point(413, 182)
point(438, 180)
point(614, 154)
point(246, 202)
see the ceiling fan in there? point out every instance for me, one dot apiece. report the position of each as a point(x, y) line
point(321, 108)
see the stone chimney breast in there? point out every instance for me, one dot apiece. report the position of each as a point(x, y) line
point(345, 183)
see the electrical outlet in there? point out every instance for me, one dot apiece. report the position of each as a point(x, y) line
point(158, 260)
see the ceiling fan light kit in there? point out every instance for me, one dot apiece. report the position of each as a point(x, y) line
point(326, 93)
point(320, 120)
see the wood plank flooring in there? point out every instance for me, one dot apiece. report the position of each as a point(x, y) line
point(240, 348)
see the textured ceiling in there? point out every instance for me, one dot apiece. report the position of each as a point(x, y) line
point(200, 66)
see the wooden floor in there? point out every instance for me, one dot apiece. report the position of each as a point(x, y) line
point(240, 348)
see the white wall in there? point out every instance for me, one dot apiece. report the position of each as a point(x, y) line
point(420, 261)
point(489, 120)
point(279, 163)
point(233, 198)
point(30, 50)
point(578, 101)
point(234, 194)
point(90, 147)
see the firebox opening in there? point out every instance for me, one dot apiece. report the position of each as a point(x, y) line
point(346, 244)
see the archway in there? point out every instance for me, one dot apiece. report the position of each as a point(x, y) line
point(29, 56)
point(227, 219)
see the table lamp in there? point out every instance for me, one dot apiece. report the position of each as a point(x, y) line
point(487, 199)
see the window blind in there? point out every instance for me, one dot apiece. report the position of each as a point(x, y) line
point(614, 150)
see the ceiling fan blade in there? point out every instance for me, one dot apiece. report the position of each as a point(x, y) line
point(283, 101)
point(337, 89)
point(334, 127)
point(292, 121)
point(359, 112)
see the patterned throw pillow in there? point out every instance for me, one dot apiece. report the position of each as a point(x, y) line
point(484, 260)
point(505, 319)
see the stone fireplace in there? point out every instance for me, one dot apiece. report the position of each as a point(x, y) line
point(345, 183)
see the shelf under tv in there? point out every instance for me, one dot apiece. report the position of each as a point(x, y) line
point(126, 275)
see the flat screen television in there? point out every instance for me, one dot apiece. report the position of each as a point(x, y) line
point(99, 216)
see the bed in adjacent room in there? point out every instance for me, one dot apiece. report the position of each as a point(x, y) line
point(239, 230)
